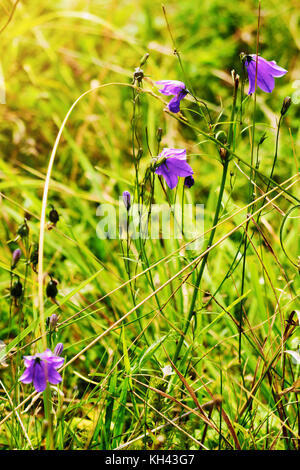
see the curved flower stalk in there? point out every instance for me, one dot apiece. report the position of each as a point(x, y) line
point(173, 88)
point(41, 368)
point(266, 71)
point(173, 165)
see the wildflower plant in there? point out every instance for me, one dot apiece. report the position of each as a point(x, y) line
point(176, 338)
point(42, 368)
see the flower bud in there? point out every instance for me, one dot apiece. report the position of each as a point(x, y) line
point(53, 216)
point(127, 200)
point(23, 230)
point(58, 349)
point(285, 105)
point(17, 289)
point(34, 256)
point(189, 181)
point(53, 321)
point(15, 257)
point(159, 134)
point(223, 153)
point(144, 59)
point(51, 289)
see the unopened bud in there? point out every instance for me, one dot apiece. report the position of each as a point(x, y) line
point(15, 257)
point(58, 349)
point(189, 181)
point(53, 321)
point(17, 289)
point(285, 105)
point(159, 134)
point(34, 256)
point(23, 230)
point(127, 200)
point(144, 59)
point(223, 153)
point(53, 216)
point(51, 289)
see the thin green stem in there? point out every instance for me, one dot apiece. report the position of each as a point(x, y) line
point(204, 261)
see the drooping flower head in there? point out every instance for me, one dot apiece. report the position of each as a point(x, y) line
point(173, 165)
point(41, 368)
point(173, 88)
point(266, 71)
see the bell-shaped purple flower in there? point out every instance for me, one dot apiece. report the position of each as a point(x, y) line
point(174, 165)
point(41, 368)
point(266, 71)
point(175, 88)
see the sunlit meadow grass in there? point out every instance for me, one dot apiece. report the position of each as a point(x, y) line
point(164, 347)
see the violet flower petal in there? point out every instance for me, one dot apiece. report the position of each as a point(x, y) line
point(170, 178)
point(170, 87)
point(26, 377)
point(39, 377)
point(179, 167)
point(53, 376)
point(174, 104)
point(180, 154)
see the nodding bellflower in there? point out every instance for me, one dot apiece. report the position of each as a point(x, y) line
point(175, 88)
point(173, 165)
point(41, 368)
point(266, 71)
